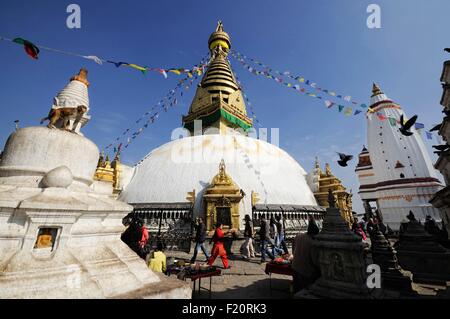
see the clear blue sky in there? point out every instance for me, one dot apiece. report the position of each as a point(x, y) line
point(326, 41)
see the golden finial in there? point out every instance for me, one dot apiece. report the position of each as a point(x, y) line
point(327, 169)
point(219, 38)
point(376, 90)
point(219, 26)
point(222, 168)
point(81, 76)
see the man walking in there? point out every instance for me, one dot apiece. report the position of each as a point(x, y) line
point(264, 235)
point(247, 246)
point(200, 237)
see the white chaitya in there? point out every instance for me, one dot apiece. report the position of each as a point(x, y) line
point(401, 176)
point(59, 237)
point(72, 96)
point(169, 172)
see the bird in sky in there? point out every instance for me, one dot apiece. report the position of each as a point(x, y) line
point(405, 127)
point(343, 159)
point(436, 128)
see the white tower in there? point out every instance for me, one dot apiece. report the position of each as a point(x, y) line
point(403, 177)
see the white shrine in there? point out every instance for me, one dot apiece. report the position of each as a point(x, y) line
point(395, 171)
point(59, 237)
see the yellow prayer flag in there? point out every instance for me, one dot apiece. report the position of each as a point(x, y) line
point(137, 67)
point(177, 72)
point(348, 111)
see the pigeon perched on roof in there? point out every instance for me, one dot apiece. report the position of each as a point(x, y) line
point(441, 147)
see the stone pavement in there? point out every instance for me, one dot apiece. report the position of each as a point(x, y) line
point(245, 279)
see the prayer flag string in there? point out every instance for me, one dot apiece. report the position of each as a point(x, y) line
point(33, 51)
point(299, 78)
point(169, 100)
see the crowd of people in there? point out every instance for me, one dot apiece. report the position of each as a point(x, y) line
point(272, 243)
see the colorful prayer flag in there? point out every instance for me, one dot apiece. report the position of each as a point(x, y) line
point(392, 121)
point(341, 107)
point(328, 103)
point(177, 72)
point(94, 58)
point(429, 135)
point(348, 111)
point(418, 126)
point(31, 49)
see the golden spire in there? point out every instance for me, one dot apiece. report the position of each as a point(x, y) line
point(328, 170)
point(218, 101)
point(376, 90)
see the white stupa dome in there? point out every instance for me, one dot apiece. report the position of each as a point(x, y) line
point(169, 172)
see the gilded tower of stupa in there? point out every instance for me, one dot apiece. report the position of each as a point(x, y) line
point(218, 101)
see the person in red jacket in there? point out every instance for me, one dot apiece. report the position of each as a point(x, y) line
point(218, 248)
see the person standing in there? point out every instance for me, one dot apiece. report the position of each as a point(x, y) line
point(275, 236)
point(264, 235)
point(281, 234)
point(247, 246)
point(305, 270)
point(200, 237)
point(218, 248)
point(136, 236)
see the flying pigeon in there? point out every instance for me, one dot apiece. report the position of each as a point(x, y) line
point(344, 159)
point(436, 128)
point(404, 129)
point(441, 147)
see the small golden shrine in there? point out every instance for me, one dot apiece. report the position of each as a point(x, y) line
point(325, 181)
point(222, 201)
point(109, 172)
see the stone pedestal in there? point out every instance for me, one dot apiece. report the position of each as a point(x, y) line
point(341, 261)
point(58, 237)
point(419, 253)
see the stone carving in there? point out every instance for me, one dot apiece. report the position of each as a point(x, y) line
point(421, 254)
point(340, 258)
point(384, 255)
